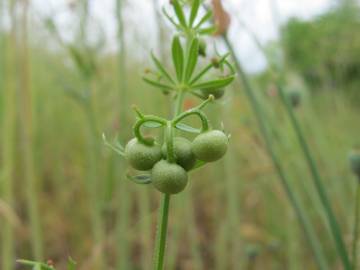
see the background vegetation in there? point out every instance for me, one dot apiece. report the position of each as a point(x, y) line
point(63, 193)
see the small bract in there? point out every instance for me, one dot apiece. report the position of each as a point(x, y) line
point(141, 156)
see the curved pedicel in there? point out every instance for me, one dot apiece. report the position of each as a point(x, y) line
point(142, 121)
point(196, 111)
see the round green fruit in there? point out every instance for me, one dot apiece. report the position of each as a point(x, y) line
point(202, 48)
point(141, 156)
point(169, 178)
point(183, 153)
point(210, 145)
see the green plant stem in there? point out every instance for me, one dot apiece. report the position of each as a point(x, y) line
point(161, 233)
point(260, 117)
point(356, 227)
point(334, 226)
point(160, 241)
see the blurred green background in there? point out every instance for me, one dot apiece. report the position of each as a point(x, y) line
point(64, 81)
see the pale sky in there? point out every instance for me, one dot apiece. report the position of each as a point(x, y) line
point(259, 15)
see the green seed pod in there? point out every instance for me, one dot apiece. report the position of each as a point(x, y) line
point(183, 153)
point(210, 146)
point(217, 93)
point(215, 62)
point(141, 156)
point(202, 48)
point(169, 178)
point(354, 159)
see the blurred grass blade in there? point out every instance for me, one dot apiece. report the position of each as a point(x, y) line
point(355, 236)
point(320, 188)
point(35, 265)
point(71, 264)
point(297, 206)
point(178, 57)
point(192, 59)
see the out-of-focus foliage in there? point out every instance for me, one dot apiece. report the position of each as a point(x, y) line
point(326, 49)
point(240, 215)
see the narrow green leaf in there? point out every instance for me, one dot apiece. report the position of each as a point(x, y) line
point(157, 84)
point(179, 13)
point(170, 19)
point(118, 148)
point(186, 128)
point(208, 31)
point(219, 83)
point(201, 73)
point(142, 179)
point(178, 57)
point(192, 59)
point(152, 124)
point(198, 165)
point(161, 68)
point(204, 19)
point(194, 11)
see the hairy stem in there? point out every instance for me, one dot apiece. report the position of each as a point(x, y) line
point(161, 233)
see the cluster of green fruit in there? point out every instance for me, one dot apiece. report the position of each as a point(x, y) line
point(172, 177)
